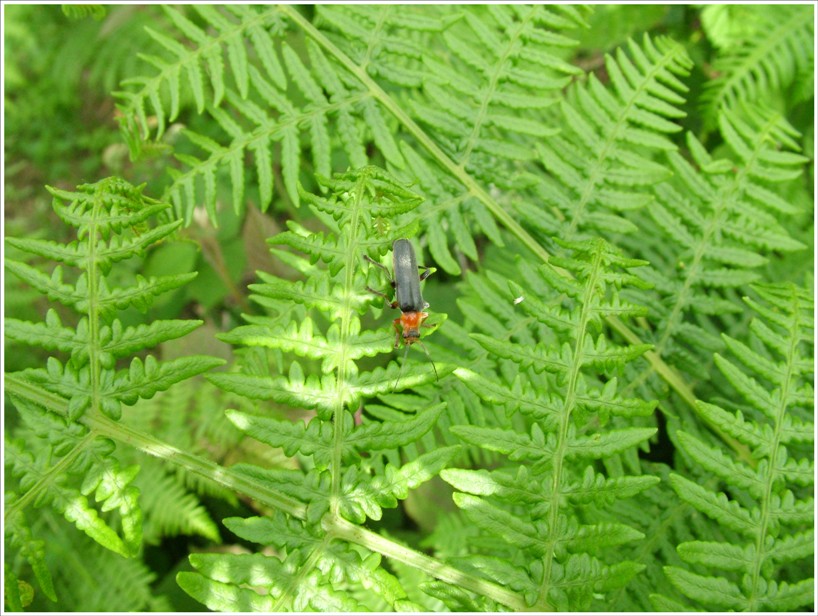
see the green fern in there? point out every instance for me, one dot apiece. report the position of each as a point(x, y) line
point(121, 584)
point(712, 228)
point(291, 108)
point(57, 459)
point(171, 498)
point(769, 504)
point(81, 11)
point(20, 540)
point(550, 552)
point(666, 521)
point(340, 485)
point(536, 472)
point(601, 165)
point(775, 48)
point(102, 213)
point(483, 107)
point(203, 68)
point(197, 425)
point(233, 26)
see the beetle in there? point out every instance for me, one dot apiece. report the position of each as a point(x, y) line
point(406, 282)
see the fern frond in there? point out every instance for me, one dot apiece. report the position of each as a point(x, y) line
point(717, 223)
point(519, 146)
point(197, 425)
point(61, 462)
point(765, 502)
point(765, 61)
point(87, 468)
point(267, 125)
point(336, 108)
point(341, 484)
point(601, 165)
point(199, 58)
point(169, 509)
point(314, 439)
point(308, 562)
point(530, 506)
point(80, 11)
point(124, 584)
point(486, 109)
point(102, 213)
point(23, 543)
point(666, 522)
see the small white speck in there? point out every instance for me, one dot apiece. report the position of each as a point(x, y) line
point(518, 300)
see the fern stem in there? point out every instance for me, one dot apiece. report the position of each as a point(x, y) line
point(761, 545)
point(342, 529)
point(591, 289)
point(198, 465)
point(102, 425)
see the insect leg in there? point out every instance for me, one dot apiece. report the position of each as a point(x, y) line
point(389, 302)
point(398, 331)
point(381, 265)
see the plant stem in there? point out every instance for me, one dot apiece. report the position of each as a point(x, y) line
point(104, 426)
point(342, 529)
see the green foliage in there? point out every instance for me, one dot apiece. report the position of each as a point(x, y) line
point(602, 166)
point(711, 226)
point(532, 505)
point(58, 459)
point(764, 53)
point(80, 11)
point(62, 68)
point(107, 216)
point(122, 584)
point(605, 197)
point(770, 503)
point(340, 482)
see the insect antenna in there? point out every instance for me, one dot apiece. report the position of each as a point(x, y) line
point(402, 366)
point(429, 357)
point(405, 357)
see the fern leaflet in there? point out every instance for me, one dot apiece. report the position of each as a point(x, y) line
point(715, 225)
point(601, 166)
point(769, 505)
